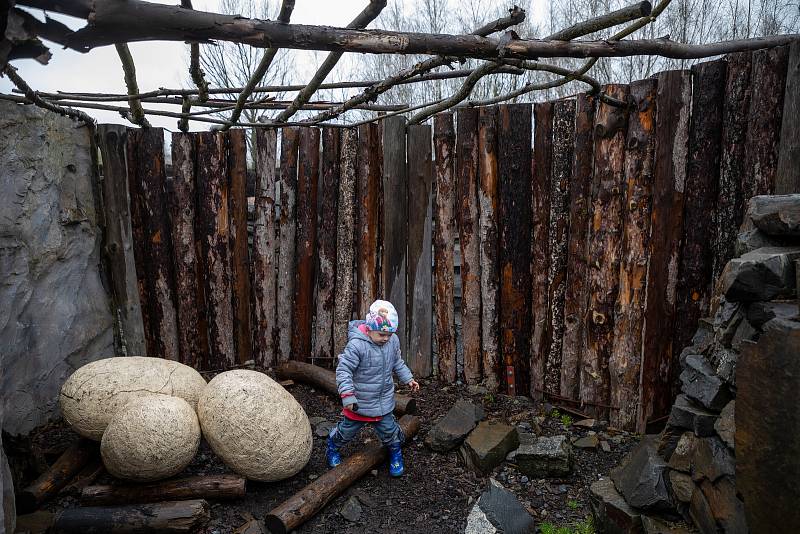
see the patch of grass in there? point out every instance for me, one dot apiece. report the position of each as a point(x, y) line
point(573, 505)
point(555, 414)
point(566, 420)
point(583, 527)
point(488, 398)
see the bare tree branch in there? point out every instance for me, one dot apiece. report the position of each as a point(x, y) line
point(615, 18)
point(197, 74)
point(136, 115)
point(32, 97)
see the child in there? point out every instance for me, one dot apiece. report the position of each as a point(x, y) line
point(364, 377)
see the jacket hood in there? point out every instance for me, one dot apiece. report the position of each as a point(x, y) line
point(354, 333)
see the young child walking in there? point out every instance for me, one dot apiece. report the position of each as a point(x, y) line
point(364, 378)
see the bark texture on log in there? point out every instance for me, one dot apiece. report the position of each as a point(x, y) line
point(575, 296)
point(420, 274)
point(672, 134)
point(370, 163)
point(264, 260)
point(192, 325)
point(444, 236)
point(625, 362)
point(605, 243)
point(558, 236)
point(469, 239)
point(730, 197)
point(326, 250)
point(489, 178)
point(768, 80)
point(118, 246)
point(287, 226)
point(213, 227)
point(540, 218)
point(514, 154)
point(305, 261)
point(301, 506)
point(177, 516)
point(395, 220)
point(787, 178)
point(237, 165)
point(199, 487)
point(345, 239)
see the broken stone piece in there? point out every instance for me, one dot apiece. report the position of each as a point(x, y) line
point(640, 478)
point(351, 510)
point(776, 215)
point(487, 446)
point(760, 313)
point(451, 429)
point(586, 423)
point(499, 511)
point(700, 383)
point(685, 414)
point(611, 513)
point(725, 426)
point(654, 525)
point(683, 455)
point(587, 442)
point(761, 275)
point(754, 239)
point(712, 460)
point(682, 485)
point(543, 457)
point(725, 506)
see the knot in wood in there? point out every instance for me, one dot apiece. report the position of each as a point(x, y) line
point(598, 318)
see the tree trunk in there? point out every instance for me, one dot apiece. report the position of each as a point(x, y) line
point(200, 487)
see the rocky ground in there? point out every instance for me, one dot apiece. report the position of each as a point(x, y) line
point(438, 491)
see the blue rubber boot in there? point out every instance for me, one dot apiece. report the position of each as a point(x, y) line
point(396, 467)
point(332, 454)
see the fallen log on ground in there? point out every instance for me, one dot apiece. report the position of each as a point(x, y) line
point(326, 380)
point(178, 516)
point(69, 464)
point(86, 477)
point(302, 506)
point(201, 487)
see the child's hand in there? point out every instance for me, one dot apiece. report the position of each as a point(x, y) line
point(414, 386)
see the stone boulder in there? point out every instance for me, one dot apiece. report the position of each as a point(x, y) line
point(499, 512)
point(612, 515)
point(685, 414)
point(750, 240)
point(726, 424)
point(700, 383)
point(776, 215)
point(761, 275)
point(487, 446)
point(712, 460)
point(640, 478)
point(451, 429)
point(760, 313)
point(726, 508)
point(543, 457)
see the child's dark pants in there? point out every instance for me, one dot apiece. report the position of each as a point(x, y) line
point(387, 429)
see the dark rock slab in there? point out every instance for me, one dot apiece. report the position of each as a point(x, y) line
point(668, 441)
point(727, 319)
point(640, 478)
point(744, 332)
point(686, 414)
point(587, 442)
point(726, 424)
point(701, 514)
point(683, 455)
point(726, 508)
point(723, 360)
point(586, 423)
point(700, 383)
point(760, 313)
point(612, 515)
point(712, 460)
point(502, 511)
point(754, 239)
point(654, 525)
point(487, 446)
point(683, 487)
point(776, 215)
point(543, 457)
point(451, 429)
point(351, 510)
point(768, 396)
point(761, 275)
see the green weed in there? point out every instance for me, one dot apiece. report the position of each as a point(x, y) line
point(566, 420)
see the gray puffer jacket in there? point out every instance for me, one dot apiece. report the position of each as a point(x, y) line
point(365, 369)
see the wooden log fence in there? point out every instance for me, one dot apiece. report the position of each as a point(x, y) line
point(575, 242)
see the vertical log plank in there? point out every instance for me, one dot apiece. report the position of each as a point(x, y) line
point(264, 262)
point(672, 134)
point(395, 220)
point(420, 220)
point(625, 362)
point(514, 152)
point(444, 234)
point(237, 165)
point(558, 236)
point(118, 245)
point(326, 250)
point(192, 326)
point(287, 227)
point(467, 220)
point(305, 262)
point(152, 177)
point(490, 269)
point(345, 238)
point(575, 296)
point(730, 196)
point(694, 274)
point(540, 199)
point(370, 160)
point(213, 231)
point(787, 179)
point(768, 81)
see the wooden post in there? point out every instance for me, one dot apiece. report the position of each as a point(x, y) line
point(118, 246)
point(787, 177)
point(287, 225)
point(558, 236)
point(264, 261)
point(575, 296)
point(468, 221)
point(444, 235)
point(166, 517)
point(326, 249)
point(345, 239)
point(514, 154)
point(213, 231)
point(395, 220)
point(730, 196)
point(605, 243)
point(695, 283)
point(420, 274)
point(199, 487)
point(488, 192)
point(237, 165)
point(192, 325)
point(368, 190)
point(540, 217)
point(307, 181)
point(672, 134)
point(768, 81)
point(625, 362)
